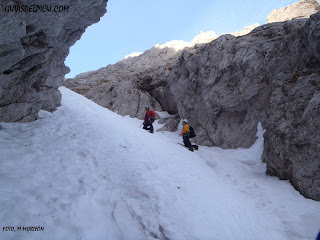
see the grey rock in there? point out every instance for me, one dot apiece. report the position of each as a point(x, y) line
point(170, 124)
point(272, 76)
point(133, 83)
point(33, 47)
point(297, 10)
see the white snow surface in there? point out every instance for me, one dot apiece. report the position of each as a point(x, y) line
point(84, 172)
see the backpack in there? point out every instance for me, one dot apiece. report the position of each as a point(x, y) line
point(191, 132)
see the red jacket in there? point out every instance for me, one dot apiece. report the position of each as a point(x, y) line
point(149, 115)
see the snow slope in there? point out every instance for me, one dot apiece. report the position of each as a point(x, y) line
point(84, 172)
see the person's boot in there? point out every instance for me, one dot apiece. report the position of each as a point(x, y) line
point(196, 147)
point(191, 149)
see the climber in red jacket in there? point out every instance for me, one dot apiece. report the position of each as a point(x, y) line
point(148, 119)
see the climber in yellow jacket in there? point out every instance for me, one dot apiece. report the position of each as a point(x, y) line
point(186, 136)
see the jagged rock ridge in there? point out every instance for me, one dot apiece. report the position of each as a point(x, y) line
point(33, 47)
point(298, 10)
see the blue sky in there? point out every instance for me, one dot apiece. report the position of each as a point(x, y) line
point(135, 26)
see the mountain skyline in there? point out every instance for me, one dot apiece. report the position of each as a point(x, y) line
point(130, 27)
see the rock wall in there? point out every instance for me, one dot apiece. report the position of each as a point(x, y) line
point(272, 76)
point(292, 139)
point(35, 38)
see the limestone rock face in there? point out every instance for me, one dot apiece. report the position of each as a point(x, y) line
point(134, 82)
point(292, 139)
point(33, 47)
point(301, 9)
point(272, 76)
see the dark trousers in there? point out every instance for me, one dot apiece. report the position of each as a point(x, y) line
point(148, 125)
point(186, 141)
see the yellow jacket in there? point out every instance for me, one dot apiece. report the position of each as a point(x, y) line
point(185, 129)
